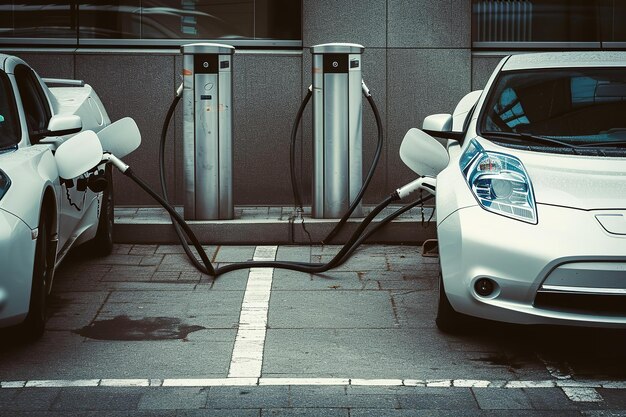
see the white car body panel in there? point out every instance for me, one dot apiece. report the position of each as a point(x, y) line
point(15, 243)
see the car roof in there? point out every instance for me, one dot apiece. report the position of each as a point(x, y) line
point(565, 60)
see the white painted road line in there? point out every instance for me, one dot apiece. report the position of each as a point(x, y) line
point(587, 395)
point(247, 357)
point(578, 389)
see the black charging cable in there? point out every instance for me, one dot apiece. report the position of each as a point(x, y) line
point(184, 232)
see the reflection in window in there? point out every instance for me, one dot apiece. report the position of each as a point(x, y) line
point(579, 104)
point(154, 19)
point(549, 20)
point(39, 19)
point(509, 111)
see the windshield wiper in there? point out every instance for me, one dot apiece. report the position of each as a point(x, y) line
point(526, 137)
point(617, 143)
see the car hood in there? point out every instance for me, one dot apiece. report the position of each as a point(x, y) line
point(581, 182)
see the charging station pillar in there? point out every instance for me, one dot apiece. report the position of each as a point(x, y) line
point(337, 128)
point(208, 131)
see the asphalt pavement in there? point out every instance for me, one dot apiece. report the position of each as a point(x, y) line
point(141, 332)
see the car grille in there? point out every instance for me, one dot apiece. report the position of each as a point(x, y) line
point(599, 304)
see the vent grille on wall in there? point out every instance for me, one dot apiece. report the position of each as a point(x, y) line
point(503, 20)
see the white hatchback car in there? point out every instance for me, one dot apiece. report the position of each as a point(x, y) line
point(41, 215)
point(531, 193)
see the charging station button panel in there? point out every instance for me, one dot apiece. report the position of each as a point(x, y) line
point(205, 64)
point(336, 63)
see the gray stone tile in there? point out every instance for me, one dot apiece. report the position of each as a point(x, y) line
point(33, 399)
point(285, 280)
point(338, 309)
point(173, 398)
point(614, 398)
point(348, 353)
point(97, 399)
point(439, 399)
point(429, 24)
point(248, 397)
point(234, 254)
point(143, 250)
point(352, 21)
point(219, 413)
point(232, 281)
point(604, 413)
point(502, 399)
point(549, 399)
point(305, 412)
point(336, 397)
point(85, 413)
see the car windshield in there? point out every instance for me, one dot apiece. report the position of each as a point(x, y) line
point(9, 121)
point(583, 107)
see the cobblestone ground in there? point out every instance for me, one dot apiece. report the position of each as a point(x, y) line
point(141, 332)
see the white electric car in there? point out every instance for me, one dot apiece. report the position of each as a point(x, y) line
point(531, 193)
point(41, 215)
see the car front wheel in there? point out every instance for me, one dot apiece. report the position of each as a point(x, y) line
point(448, 320)
point(43, 269)
point(102, 244)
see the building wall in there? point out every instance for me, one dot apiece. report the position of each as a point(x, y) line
point(417, 62)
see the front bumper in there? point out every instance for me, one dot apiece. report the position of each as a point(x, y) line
point(567, 251)
point(17, 254)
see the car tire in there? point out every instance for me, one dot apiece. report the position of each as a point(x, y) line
point(448, 320)
point(43, 269)
point(102, 243)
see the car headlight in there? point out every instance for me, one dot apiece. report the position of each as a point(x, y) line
point(499, 182)
point(5, 183)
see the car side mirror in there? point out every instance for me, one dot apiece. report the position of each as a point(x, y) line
point(120, 138)
point(64, 124)
point(422, 153)
point(438, 123)
point(78, 154)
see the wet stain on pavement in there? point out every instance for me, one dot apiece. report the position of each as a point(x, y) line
point(148, 328)
point(501, 360)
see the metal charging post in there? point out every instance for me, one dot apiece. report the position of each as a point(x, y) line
point(207, 131)
point(337, 128)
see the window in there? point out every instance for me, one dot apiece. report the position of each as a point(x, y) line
point(153, 22)
point(548, 23)
point(578, 106)
point(34, 102)
point(10, 133)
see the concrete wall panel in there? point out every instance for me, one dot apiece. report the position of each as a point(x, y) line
point(139, 86)
point(50, 65)
point(266, 98)
point(355, 21)
point(482, 67)
point(429, 24)
point(421, 82)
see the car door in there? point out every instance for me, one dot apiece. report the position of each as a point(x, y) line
point(38, 112)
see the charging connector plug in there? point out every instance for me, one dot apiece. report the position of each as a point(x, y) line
point(116, 162)
point(425, 183)
point(366, 90)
